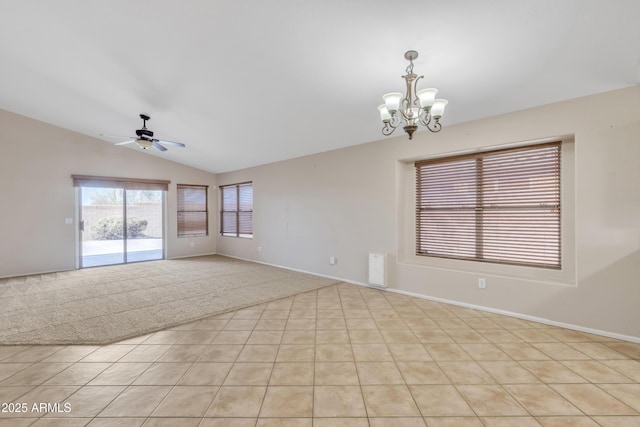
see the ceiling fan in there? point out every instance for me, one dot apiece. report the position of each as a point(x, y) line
point(145, 138)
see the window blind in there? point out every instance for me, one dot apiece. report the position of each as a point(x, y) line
point(193, 217)
point(499, 206)
point(236, 216)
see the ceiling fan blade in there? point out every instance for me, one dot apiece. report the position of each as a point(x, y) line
point(125, 142)
point(158, 146)
point(177, 144)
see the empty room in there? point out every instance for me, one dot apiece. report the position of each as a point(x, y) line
point(312, 214)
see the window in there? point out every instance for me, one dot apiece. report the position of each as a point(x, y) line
point(193, 216)
point(499, 206)
point(236, 216)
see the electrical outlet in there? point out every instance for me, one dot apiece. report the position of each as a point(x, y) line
point(332, 260)
point(259, 248)
point(482, 283)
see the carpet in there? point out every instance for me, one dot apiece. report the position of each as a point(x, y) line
point(103, 305)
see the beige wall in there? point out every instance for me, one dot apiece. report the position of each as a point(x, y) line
point(36, 193)
point(350, 202)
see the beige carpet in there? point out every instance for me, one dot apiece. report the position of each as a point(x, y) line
point(107, 304)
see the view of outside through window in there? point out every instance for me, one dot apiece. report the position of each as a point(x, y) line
point(107, 238)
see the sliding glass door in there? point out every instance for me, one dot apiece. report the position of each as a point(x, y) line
point(120, 225)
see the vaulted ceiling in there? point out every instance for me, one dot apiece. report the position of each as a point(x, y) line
point(243, 83)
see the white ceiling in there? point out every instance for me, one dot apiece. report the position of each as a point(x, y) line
point(243, 83)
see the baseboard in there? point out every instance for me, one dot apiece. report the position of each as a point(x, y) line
point(192, 256)
point(464, 304)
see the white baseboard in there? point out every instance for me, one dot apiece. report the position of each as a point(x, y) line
point(466, 305)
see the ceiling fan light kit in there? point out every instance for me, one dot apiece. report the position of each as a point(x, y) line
point(415, 108)
point(144, 138)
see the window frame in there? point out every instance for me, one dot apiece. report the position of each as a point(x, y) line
point(183, 233)
point(478, 210)
point(238, 211)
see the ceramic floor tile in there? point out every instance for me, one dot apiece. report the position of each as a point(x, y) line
point(446, 352)
point(292, 373)
point(618, 421)
point(78, 374)
point(162, 374)
point(182, 353)
point(205, 373)
point(551, 372)
point(288, 401)
point(541, 400)
point(338, 401)
point(378, 373)
point(120, 374)
point(336, 373)
point(371, 353)
point(397, 422)
point(422, 373)
point(627, 393)
point(522, 351)
point(333, 353)
point(249, 374)
point(630, 368)
point(592, 400)
point(389, 401)
point(145, 353)
point(265, 337)
point(89, 401)
point(440, 401)
point(508, 372)
point(491, 400)
point(109, 353)
point(237, 401)
point(597, 351)
point(220, 353)
point(567, 421)
point(453, 422)
point(284, 422)
point(467, 372)
point(136, 401)
point(596, 372)
point(560, 351)
point(296, 353)
point(510, 422)
point(186, 401)
point(258, 353)
point(340, 422)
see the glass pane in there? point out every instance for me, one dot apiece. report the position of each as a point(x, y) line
point(230, 198)
point(102, 238)
point(144, 225)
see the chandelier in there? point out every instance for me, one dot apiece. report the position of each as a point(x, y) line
point(417, 107)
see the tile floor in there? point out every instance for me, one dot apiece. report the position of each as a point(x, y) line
point(340, 356)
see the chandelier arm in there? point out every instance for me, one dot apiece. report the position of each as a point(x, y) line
point(415, 91)
point(426, 119)
point(435, 126)
point(387, 129)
